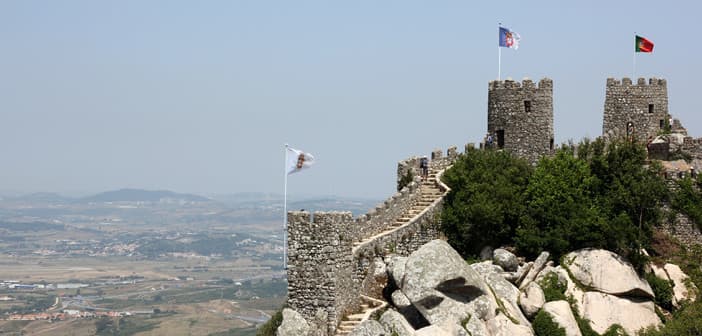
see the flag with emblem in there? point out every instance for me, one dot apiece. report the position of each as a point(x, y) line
point(297, 160)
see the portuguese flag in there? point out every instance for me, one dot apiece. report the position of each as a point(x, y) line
point(643, 45)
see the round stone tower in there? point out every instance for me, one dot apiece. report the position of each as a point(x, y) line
point(635, 111)
point(520, 117)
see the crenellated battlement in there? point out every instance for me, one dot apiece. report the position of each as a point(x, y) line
point(526, 83)
point(627, 82)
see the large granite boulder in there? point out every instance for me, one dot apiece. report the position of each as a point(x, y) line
point(563, 316)
point(486, 267)
point(293, 324)
point(683, 289)
point(443, 287)
point(369, 328)
point(604, 310)
point(502, 326)
point(505, 259)
point(531, 299)
point(508, 296)
point(395, 266)
point(395, 322)
point(538, 265)
point(606, 272)
point(376, 280)
point(400, 300)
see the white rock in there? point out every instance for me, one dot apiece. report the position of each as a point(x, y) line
point(395, 266)
point(563, 316)
point(369, 328)
point(395, 322)
point(502, 326)
point(681, 290)
point(539, 264)
point(508, 295)
point(486, 267)
point(606, 272)
point(604, 310)
point(293, 324)
point(433, 330)
point(505, 259)
point(443, 287)
point(400, 300)
point(531, 299)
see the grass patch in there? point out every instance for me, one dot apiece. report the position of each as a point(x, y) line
point(545, 326)
point(553, 289)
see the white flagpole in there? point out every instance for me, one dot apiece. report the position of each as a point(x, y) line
point(285, 211)
point(499, 62)
point(499, 52)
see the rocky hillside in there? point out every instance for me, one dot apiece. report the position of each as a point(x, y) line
point(434, 291)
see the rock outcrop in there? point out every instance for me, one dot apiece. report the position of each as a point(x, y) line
point(293, 324)
point(443, 287)
point(606, 272)
point(531, 299)
point(563, 316)
point(435, 292)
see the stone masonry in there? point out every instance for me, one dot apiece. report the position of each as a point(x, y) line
point(329, 253)
point(636, 111)
point(520, 117)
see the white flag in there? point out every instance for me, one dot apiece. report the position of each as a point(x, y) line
point(296, 160)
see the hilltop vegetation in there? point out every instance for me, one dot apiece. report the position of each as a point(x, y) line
point(604, 197)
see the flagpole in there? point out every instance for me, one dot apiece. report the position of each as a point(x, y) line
point(285, 210)
point(499, 53)
point(633, 67)
point(499, 62)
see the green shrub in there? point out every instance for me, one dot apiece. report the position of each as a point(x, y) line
point(269, 328)
point(545, 326)
point(686, 321)
point(486, 200)
point(688, 198)
point(662, 291)
point(553, 289)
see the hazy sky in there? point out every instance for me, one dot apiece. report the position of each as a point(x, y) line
point(201, 96)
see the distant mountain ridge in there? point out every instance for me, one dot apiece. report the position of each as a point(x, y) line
point(141, 195)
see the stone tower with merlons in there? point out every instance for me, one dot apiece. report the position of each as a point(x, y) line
point(635, 111)
point(520, 117)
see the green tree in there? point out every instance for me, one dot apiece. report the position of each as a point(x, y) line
point(562, 214)
point(486, 199)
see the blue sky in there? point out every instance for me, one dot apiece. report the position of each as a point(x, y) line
point(202, 96)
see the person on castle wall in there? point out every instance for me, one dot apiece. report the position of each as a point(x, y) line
point(424, 166)
point(489, 141)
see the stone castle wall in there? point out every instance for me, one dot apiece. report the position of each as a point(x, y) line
point(326, 273)
point(320, 266)
point(520, 117)
point(637, 111)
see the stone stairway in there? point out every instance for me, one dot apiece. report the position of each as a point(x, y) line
point(368, 307)
point(430, 192)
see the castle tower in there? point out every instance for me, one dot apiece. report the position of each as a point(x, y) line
point(635, 111)
point(520, 117)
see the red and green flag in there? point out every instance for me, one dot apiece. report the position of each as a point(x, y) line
point(643, 45)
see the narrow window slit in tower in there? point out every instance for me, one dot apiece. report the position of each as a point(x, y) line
point(650, 108)
point(527, 106)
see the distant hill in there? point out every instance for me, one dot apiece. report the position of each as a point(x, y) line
point(140, 195)
point(43, 197)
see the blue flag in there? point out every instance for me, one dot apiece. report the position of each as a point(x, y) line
point(509, 39)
